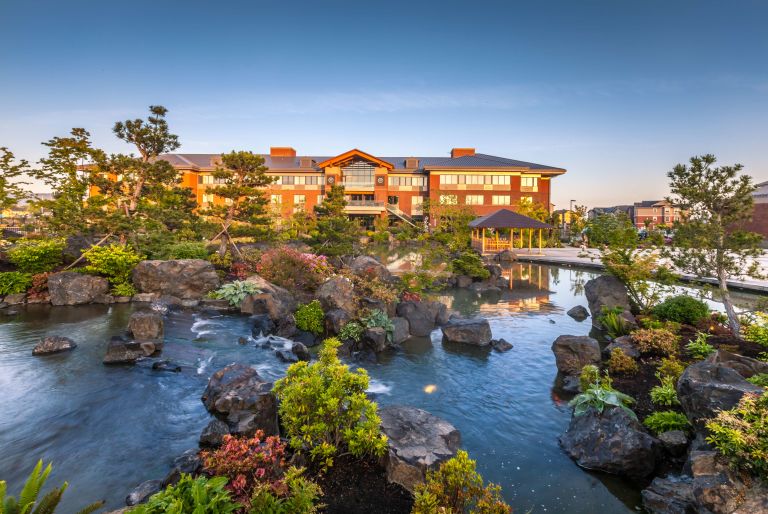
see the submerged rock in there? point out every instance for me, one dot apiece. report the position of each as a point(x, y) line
point(183, 278)
point(574, 352)
point(123, 351)
point(166, 366)
point(501, 345)
point(70, 288)
point(418, 441)
point(53, 344)
point(143, 491)
point(474, 331)
point(579, 313)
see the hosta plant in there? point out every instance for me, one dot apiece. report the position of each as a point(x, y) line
point(664, 421)
point(379, 318)
point(601, 395)
point(235, 292)
point(199, 495)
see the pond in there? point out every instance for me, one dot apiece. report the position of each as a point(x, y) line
point(109, 428)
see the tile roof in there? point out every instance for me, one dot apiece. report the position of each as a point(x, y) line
point(504, 218)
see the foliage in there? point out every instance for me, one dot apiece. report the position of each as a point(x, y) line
point(682, 309)
point(310, 317)
point(699, 348)
point(292, 269)
point(221, 262)
point(28, 502)
point(672, 326)
point(39, 288)
point(297, 495)
point(469, 263)
point(379, 318)
point(450, 221)
point(351, 331)
point(456, 487)
point(664, 421)
point(599, 395)
point(371, 286)
point(199, 495)
point(655, 341)
point(124, 289)
point(324, 407)
point(37, 255)
point(235, 292)
point(621, 363)
point(670, 368)
point(589, 375)
point(755, 328)
point(115, 262)
point(417, 282)
point(614, 322)
point(335, 231)
point(716, 202)
point(184, 250)
point(664, 394)
point(14, 282)
point(741, 434)
point(11, 189)
point(761, 379)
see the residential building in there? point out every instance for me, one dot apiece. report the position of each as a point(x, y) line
point(597, 211)
point(652, 213)
point(383, 186)
point(759, 221)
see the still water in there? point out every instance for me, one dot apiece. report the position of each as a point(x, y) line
point(106, 429)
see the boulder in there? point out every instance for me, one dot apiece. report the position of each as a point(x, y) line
point(335, 320)
point(149, 298)
point(286, 356)
point(670, 495)
point(718, 489)
point(237, 395)
point(143, 491)
point(439, 311)
point(675, 442)
point(605, 291)
point(612, 442)
point(418, 441)
point(373, 304)
point(300, 351)
point(506, 256)
point(274, 301)
point(53, 344)
point(400, 331)
point(463, 281)
point(213, 434)
point(705, 388)
point(75, 245)
point(579, 313)
point(744, 366)
point(375, 338)
point(625, 344)
point(166, 365)
point(188, 463)
point(146, 326)
point(215, 304)
point(475, 331)
point(123, 351)
point(262, 325)
point(420, 315)
point(15, 299)
point(501, 345)
point(306, 338)
point(337, 293)
point(70, 288)
point(183, 278)
point(366, 266)
point(574, 352)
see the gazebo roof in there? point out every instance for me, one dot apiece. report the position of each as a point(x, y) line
point(504, 218)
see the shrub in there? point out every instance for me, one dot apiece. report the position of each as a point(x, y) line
point(39, 288)
point(297, 495)
point(14, 282)
point(589, 375)
point(471, 264)
point(655, 323)
point(621, 363)
point(27, 503)
point(457, 487)
point(664, 421)
point(417, 282)
point(699, 348)
point(37, 255)
point(741, 434)
point(379, 318)
point(761, 379)
point(292, 269)
point(199, 495)
point(124, 289)
point(221, 262)
point(324, 407)
point(655, 341)
point(352, 331)
point(115, 262)
point(614, 322)
point(235, 292)
point(755, 328)
point(374, 287)
point(311, 318)
point(682, 309)
point(665, 394)
point(600, 395)
point(670, 368)
point(185, 250)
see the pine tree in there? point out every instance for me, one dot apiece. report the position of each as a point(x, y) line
point(335, 232)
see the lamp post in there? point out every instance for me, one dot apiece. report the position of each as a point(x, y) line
point(570, 217)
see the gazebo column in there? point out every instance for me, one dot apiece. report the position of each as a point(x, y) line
point(540, 241)
point(483, 251)
point(530, 240)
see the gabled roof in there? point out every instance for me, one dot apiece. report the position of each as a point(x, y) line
point(504, 218)
point(352, 154)
point(480, 160)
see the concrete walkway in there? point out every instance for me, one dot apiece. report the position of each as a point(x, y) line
point(575, 257)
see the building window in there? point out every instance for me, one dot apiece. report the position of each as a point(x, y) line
point(299, 199)
point(207, 198)
point(276, 199)
point(359, 173)
point(449, 179)
point(205, 179)
point(393, 200)
point(501, 200)
point(407, 181)
point(449, 200)
point(502, 180)
point(474, 200)
point(417, 204)
point(530, 184)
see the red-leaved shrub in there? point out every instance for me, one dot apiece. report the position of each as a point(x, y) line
point(292, 269)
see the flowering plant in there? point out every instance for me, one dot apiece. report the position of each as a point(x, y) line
point(292, 269)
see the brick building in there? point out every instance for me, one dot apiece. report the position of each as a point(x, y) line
point(384, 186)
point(651, 213)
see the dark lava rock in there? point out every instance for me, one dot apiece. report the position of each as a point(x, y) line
point(70, 288)
point(401, 330)
point(718, 489)
point(421, 317)
point(611, 442)
point(375, 338)
point(262, 325)
point(300, 351)
point(605, 291)
point(242, 341)
point(53, 344)
point(671, 495)
point(123, 351)
point(675, 442)
point(187, 463)
point(337, 293)
point(366, 266)
point(15, 299)
point(306, 338)
point(501, 345)
point(213, 434)
point(143, 491)
point(625, 344)
point(463, 281)
point(146, 326)
point(238, 395)
point(579, 313)
point(418, 441)
point(166, 366)
point(570, 384)
point(336, 319)
point(744, 366)
point(574, 352)
point(286, 356)
point(474, 331)
point(183, 278)
point(279, 303)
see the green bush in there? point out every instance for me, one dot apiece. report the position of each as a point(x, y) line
point(457, 487)
point(379, 318)
point(621, 363)
point(699, 348)
point(589, 375)
point(682, 309)
point(27, 503)
point(614, 322)
point(14, 282)
point(325, 409)
point(471, 264)
point(185, 250)
point(311, 318)
point(670, 368)
point(754, 328)
point(124, 289)
point(352, 331)
point(235, 292)
point(664, 394)
point(664, 421)
point(655, 341)
point(115, 262)
point(741, 434)
point(191, 495)
point(37, 255)
point(761, 379)
point(300, 497)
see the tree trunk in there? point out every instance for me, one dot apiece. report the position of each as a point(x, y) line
point(733, 318)
point(224, 245)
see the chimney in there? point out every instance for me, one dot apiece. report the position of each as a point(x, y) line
point(411, 163)
point(461, 152)
point(282, 151)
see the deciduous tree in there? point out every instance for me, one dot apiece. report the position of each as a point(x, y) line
point(11, 188)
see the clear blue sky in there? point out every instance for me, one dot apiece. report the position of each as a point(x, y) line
point(616, 91)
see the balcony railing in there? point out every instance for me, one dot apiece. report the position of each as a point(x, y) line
point(364, 203)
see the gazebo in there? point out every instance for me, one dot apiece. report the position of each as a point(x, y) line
point(504, 220)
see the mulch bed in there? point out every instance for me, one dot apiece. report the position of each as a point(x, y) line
point(360, 486)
